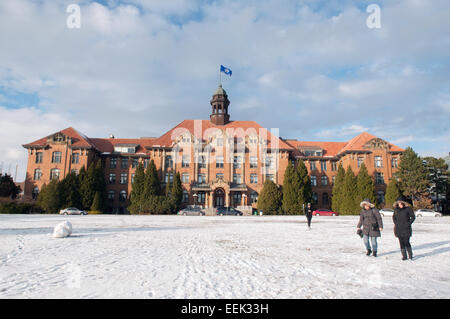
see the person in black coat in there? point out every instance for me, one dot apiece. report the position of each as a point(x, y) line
point(307, 210)
point(403, 218)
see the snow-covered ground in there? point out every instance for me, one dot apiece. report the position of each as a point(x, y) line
point(217, 257)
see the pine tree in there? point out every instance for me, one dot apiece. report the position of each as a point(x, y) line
point(291, 188)
point(87, 187)
point(305, 190)
point(365, 185)
point(137, 193)
point(413, 175)
point(152, 186)
point(97, 202)
point(270, 198)
point(392, 192)
point(70, 191)
point(337, 199)
point(350, 203)
point(7, 187)
point(49, 197)
point(176, 194)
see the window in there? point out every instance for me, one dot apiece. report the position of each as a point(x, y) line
point(185, 198)
point(378, 161)
point(323, 166)
point(201, 161)
point(75, 171)
point(112, 178)
point(168, 178)
point(360, 161)
point(39, 156)
point(113, 162)
point(324, 180)
point(394, 162)
point(124, 162)
point(334, 166)
point(379, 178)
point(219, 162)
point(134, 162)
point(54, 173)
point(123, 196)
point(270, 177)
point(313, 180)
point(253, 162)
point(253, 197)
point(75, 158)
point(380, 197)
point(111, 195)
point(132, 178)
point(237, 162)
point(186, 139)
point(35, 193)
point(123, 178)
point(253, 178)
point(237, 178)
point(269, 162)
point(201, 178)
point(325, 199)
point(312, 165)
point(185, 161)
point(56, 157)
point(168, 162)
point(219, 176)
point(201, 197)
point(237, 198)
point(37, 174)
point(219, 142)
point(333, 180)
point(314, 197)
point(185, 178)
point(146, 162)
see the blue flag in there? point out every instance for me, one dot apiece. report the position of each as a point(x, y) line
point(225, 70)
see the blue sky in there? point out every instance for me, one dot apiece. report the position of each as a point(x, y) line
point(311, 68)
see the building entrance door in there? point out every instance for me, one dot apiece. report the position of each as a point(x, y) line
point(219, 198)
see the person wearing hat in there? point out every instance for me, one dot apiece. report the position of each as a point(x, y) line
point(372, 225)
point(403, 218)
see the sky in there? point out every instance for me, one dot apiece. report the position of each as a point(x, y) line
point(312, 69)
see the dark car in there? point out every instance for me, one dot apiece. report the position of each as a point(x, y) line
point(228, 211)
point(191, 211)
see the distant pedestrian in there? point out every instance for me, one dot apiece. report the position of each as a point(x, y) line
point(307, 210)
point(403, 218)
point(372, 225)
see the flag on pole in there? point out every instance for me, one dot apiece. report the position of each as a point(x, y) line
point(225, 70)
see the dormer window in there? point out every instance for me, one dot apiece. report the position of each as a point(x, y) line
point(125, 148)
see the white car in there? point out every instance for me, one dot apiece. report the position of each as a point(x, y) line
point(386, 212)
point(427, 213)
point(72, 211)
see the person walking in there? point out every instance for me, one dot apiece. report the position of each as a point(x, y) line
point(403, 218)
point(372, 225)
point(307, 210)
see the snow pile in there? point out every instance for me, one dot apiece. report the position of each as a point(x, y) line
point(62, 230)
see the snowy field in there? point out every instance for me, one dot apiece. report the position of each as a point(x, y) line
point(217, 257)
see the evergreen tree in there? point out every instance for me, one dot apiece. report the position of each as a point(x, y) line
point(291, 188)
point(392, 192)
point(413, 176)
point(70, 191)
point(365, 185)
point(7, 187)
point(137, 197)
point(305, 190)
point(176, 194)
point(152, 186)
point(97, 205)
point(350, 202)
point(337, 199)
point(87, 187)
point(270, 198)
point(49, 197)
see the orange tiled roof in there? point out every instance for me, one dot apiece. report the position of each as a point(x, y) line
point(78, 139)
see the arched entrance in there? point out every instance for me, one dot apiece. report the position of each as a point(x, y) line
point(219, 197)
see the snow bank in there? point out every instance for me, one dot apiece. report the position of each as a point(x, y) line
point(62, 230)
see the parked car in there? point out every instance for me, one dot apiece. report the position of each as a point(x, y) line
point(386, 212)
point(72, 211)
point(427, 213)
point(191, 211)
point(228, 211)
point(324, 212)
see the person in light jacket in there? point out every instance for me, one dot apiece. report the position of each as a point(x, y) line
point(372, 225)
point(403, 218)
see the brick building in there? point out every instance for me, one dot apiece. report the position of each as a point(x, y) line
point(221, 162)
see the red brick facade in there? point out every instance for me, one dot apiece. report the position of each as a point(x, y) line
point(221, 162)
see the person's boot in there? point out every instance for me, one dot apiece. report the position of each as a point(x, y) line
point(404, 254)
point(368, 252)
point(374, 253)
point(410, 254)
